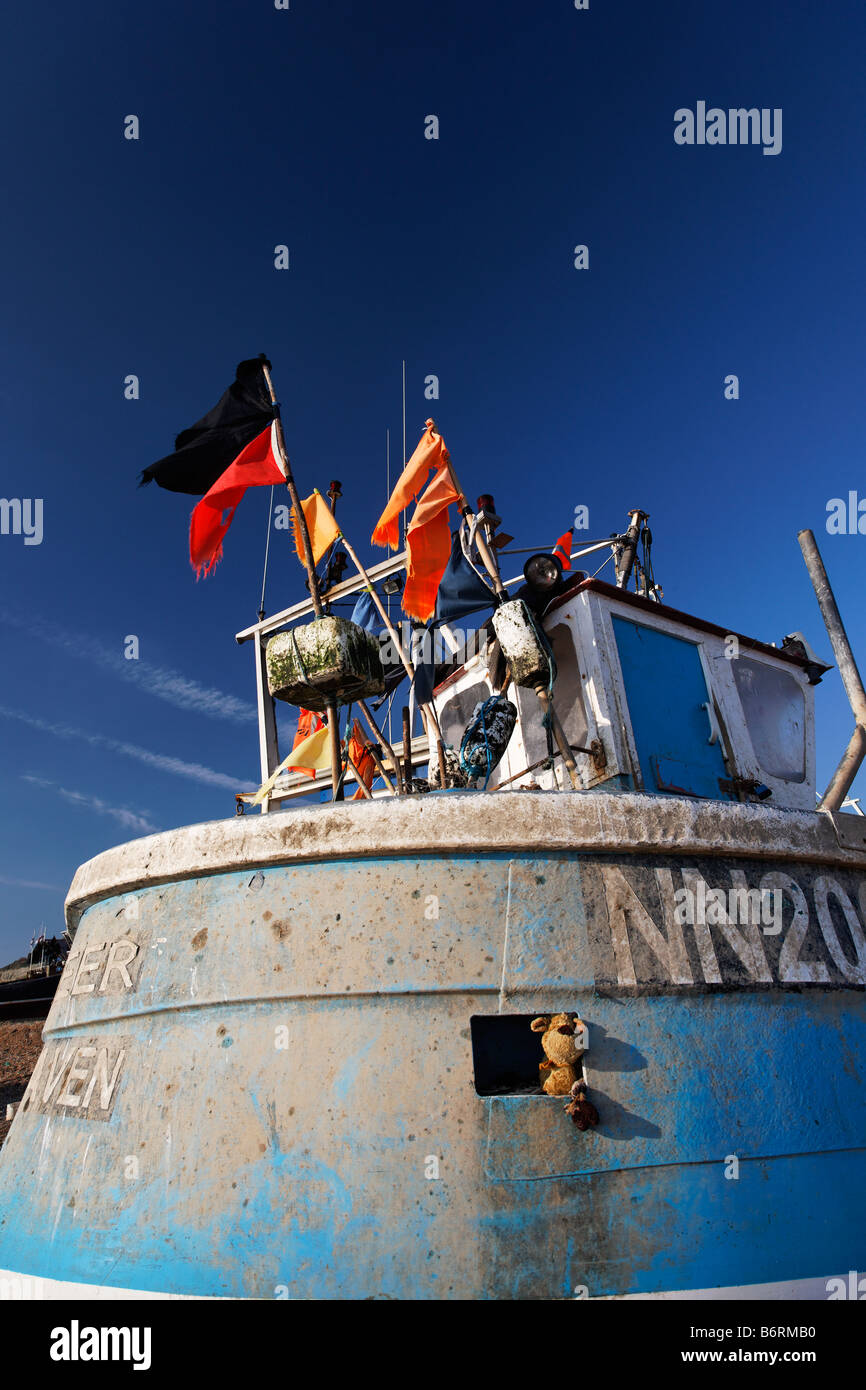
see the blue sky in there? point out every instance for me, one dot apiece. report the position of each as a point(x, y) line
point(605, 387)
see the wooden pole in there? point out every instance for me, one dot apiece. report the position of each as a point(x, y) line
point(380, 608)
point(559, 735)
point(374, 754)
point(443, 774)
point(407, 748)
point(309, 564)
point(513, 778)
point(358, 778)
point(378, 734)
point(335, 490)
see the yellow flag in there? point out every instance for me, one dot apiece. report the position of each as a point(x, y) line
point(314, 755)
point(321, 525)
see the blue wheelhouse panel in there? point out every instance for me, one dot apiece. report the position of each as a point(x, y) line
point(667, 699)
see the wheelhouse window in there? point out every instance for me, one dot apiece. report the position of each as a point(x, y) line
point(774, 707)
point(457, 712)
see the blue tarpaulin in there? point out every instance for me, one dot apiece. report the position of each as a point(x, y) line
point(462, 590)
point(365, 613)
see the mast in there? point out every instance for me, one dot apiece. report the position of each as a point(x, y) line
point(313, 580)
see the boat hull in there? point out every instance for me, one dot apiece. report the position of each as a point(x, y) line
point(280, 1062)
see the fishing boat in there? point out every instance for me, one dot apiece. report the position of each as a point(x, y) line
point(27, 987)
point(568, 1003)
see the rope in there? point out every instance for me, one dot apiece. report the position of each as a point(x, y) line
point(344, 751)
point(305, 680)
point(300, 660)
point(545, 646)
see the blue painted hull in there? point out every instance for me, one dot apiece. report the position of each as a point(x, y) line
point(291, 1106)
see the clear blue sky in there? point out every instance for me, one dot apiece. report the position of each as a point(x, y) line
point(605, 387)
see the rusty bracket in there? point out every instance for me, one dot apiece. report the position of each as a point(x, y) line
point(743, 787)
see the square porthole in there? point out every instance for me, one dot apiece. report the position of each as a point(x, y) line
point(506, 1055)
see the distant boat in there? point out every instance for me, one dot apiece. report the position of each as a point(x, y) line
point(27, 998)
point(28, 989)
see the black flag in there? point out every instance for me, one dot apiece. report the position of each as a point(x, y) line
point(204, 451)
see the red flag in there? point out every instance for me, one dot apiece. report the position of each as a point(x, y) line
point(255, 466)
point(562, 549)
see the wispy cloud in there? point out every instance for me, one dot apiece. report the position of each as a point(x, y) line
point(29, 883)
point(194, 771)
point(131, 820)
point(159, 681)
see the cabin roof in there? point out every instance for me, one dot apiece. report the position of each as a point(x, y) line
point(675, 614)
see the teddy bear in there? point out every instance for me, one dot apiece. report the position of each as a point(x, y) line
point(581, 1110)
point(561, 1036)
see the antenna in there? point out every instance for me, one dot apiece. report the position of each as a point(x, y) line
point(405, 529)
point(404, 442)
point(387, 499)
point(267, 549)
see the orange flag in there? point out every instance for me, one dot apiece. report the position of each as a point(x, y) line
point(362, 759)
point(431, 453)
point(321, 525)
point(428, 547)
point(308, 723)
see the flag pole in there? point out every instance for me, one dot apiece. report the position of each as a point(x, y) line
point(380, 607)
point(429, 709)
point(330, 705)
point(387, 500)
point(374, 754)
point(365, 790)
point(404, 444)
point(379, 735)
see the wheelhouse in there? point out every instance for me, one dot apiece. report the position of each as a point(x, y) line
point(654, 700)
